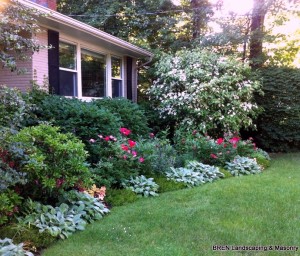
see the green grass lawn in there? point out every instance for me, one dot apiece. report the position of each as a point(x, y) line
point(257, 210)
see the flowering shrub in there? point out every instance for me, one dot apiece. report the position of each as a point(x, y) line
point(201, 88)
point(212, 151)
point(55, 162)
point(117, 158)
point(141, 185)
point(243, 166)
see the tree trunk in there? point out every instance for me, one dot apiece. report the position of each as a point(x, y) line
point(257, 33)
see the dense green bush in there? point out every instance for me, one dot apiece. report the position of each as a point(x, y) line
point(13, 108)
point(55, 162)
point(130, 114)
point(211, 92)
point(83, 119)
point(278, 125)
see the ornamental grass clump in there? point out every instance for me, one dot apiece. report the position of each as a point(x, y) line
point(243, 166)
point(142, 186)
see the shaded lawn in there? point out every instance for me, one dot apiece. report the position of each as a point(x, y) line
point(257, 210)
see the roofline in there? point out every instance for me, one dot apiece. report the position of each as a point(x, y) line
point(58, 17)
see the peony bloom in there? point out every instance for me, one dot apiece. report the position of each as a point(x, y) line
point(134, 153)
point(125, 131)
point(234, 140)
point(92, 141)
point(213, 156)
point(131, 143)
point(124, 147)
point(141, 159)
point(220, 141)
point(106, 138)
point(151, 135)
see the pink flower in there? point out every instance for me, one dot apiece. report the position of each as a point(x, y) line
point(213, 156)
point(125, 131)
point(134, 153)
point(234, 140)
point(106, 138)
point(124, 147)
point(124, 157)
point(220, 141)
point(151, 135)
point(92, 141)
point(131, 143)
point(100, 136)
point(141, 159)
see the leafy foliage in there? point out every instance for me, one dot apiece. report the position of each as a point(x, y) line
point(203, 89)
point(278, 125)
point(17, 24)
point(243, 166)
point(118, 197)
point(194, 174)
point(56, 162)
point(7, 247)
point(13, 108)
point(129, 114)
point(142, 186)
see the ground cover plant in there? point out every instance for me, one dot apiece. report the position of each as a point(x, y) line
point(245, 210)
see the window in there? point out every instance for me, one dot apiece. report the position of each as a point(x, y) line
point(84, 73)
point(116, 74)
point(93, 74)
point(67, 70)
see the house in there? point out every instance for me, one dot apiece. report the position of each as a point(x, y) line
point(83, 61)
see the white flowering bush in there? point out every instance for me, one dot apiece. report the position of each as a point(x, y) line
point(204, 89)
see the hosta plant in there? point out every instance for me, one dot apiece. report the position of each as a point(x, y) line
point(189, 177)
point(8, 248)
point(209, 172)
point(142, 186)
point(243, 166)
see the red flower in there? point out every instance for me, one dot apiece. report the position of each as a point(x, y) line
point(124, 147)
point(220, 141)
point(213, 156)
point(131, 143)
point(234, 141)
point(106, 138)
point(125, 131)
point(141, 159)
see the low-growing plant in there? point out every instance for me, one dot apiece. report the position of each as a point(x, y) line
point(7, 248)
point(9, 202)
point(118, 197)
point(20, 233)
point(166, 185)
point(55, 163)
point(141, 186)
point(186, 176)
point(89, 207)
point(243, 166)
point(195, 173)
point(262, 158)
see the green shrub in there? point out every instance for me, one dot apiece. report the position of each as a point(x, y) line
point(141, 186)
point(9, 202)
point(13, 108)
point(166, 185)
point(118, 158)
point(278, 125)
point(20, 233)
point(243, 166)
point(130, 114)
point(118, 197)
point(7, 247)
point(55, 163)
point(262, 158)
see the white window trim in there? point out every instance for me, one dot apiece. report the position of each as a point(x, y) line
point(109, 77)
